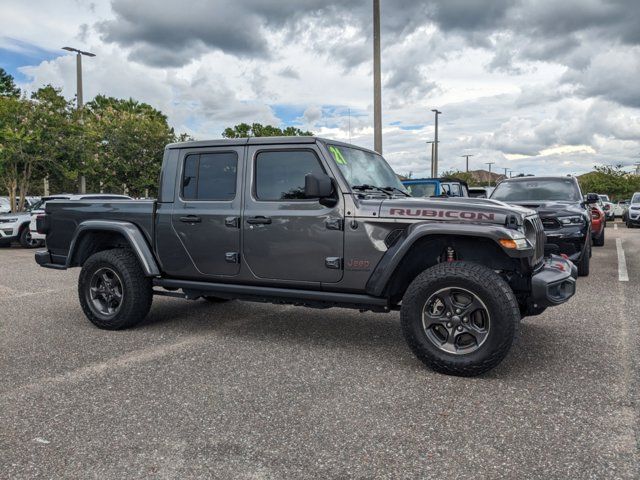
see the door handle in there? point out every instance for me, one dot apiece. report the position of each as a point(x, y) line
point(259, 220)
point(191, 219)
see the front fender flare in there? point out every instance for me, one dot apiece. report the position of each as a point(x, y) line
point(129, 231)
point(391, 259)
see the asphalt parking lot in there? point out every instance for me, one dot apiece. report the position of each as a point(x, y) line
point(243, 390)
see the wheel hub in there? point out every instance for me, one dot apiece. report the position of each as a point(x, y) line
point(456, 320)
point(105, 292)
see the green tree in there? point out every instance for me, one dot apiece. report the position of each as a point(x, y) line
point(244, 130)
point(610, 180)
point(7, 85)
point(125, 142)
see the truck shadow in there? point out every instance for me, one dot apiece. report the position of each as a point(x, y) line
point(341, 329)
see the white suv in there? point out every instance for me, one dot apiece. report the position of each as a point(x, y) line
point(633, 214)
point(14, 227)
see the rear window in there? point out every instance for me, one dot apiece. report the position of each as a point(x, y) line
point(210, 176)
point(537, 190)
point(424, 190)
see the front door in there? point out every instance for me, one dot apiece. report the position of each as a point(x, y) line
point(287, 236)
point(206, 215)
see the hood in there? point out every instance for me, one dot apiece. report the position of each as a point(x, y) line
point(552, 207)
point(19, 215)
point(476, 210)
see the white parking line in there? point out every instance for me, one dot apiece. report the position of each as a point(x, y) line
point(615, 226)
point(623, 276)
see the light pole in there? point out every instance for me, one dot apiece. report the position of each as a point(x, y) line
point(377, 85)
point(79, 104)
point(505, 172)
point(435, 148)
point(433, 143)
point(490, 163)
point(467, 157)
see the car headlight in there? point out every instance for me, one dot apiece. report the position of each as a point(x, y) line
point(577, 220)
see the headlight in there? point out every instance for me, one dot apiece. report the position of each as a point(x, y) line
point(514, 243)
point(577, 220)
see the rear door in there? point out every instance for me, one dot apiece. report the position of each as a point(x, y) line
point(286, 236)
point(206, 213)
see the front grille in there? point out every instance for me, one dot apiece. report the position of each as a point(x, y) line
point(534, 231)
point(550, 223)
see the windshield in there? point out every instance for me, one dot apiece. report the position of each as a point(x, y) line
point(537, 190)
point(422, 189)
point(4, 201)
point(604, 198)
point(636, 198)
point(364, 168)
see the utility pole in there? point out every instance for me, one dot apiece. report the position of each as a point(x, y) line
point(435, 149)
point(79, 103)
point(505, 172)
point(377, 85)
point(433, 174)
point(490, 163)
point(467, 157)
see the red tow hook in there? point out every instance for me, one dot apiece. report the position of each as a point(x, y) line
point(565, 256)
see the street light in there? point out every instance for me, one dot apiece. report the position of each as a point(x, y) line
point(467, 157)
point(490, 163)
point(79, 54)
point(377, 85)
point(435, 148)
point(433, 143)
point(79, 104)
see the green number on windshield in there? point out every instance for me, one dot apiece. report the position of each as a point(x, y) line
point(337, 155)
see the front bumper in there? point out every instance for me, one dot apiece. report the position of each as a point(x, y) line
point(570, 241)
point(9, 232)
point(633, 216)
point(554, 283)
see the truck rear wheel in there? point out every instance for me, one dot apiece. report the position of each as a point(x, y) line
point(114, 292)
point(459, 318)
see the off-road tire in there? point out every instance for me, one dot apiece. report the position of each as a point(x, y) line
point(25, 239)
point(490, 288)
point(584, 263)
point(211, 299)
point(599, 241)
point(137, 292)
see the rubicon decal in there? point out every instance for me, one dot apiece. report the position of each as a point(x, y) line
point(433, 213)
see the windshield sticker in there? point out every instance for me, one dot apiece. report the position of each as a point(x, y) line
point(337, 155)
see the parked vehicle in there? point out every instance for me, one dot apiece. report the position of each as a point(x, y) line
point(39, 208)
point(480, 192)
point(436, 187)
point(621, 208)
point(607, 206)
point(598, 224)
point(565, 216)
point(312, 222)
point(5, 205)
point(14, 227)
point(633, 214)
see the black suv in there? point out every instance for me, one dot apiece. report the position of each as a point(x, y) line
point(565, 216)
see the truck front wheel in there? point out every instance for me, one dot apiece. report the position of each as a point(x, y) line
point(460, 318)
point(114, 292)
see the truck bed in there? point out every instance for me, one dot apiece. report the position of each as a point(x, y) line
point(64, 216)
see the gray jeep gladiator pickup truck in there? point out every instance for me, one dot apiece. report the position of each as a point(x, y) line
point(319, 223)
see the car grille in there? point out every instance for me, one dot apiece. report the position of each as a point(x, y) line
point(534, 231)
point(550, 223)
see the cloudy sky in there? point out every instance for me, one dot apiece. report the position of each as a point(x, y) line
point(537, 86)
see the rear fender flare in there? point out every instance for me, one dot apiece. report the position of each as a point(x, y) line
point(129, 231)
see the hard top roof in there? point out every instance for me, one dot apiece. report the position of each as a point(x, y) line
point(229, 142)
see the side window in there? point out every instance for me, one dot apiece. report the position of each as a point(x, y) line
point(445, 188)
point(210, 176)
point(280, 174)
point(455, 190)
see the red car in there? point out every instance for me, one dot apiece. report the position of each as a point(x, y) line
point(598, 223)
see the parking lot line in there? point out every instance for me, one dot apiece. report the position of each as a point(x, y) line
point(615, 226)
point(623, 276)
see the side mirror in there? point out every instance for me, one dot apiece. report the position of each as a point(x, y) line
point(317, 185)
point(592, 198)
